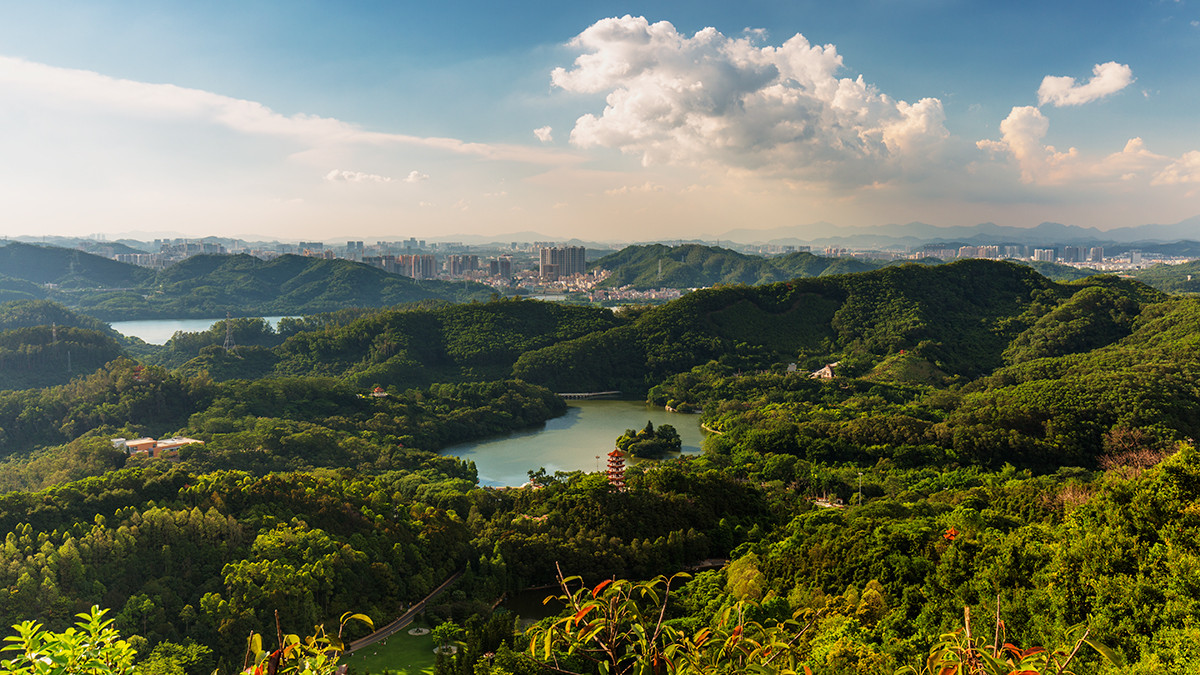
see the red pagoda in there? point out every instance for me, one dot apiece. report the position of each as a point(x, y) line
point(616, 469)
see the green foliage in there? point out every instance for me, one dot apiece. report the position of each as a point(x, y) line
point(1184, 278)
point(698, 266)
point(90, 647)
point(34, 313)
point(419, 345)
point(649, 442)
point(170, 658)
point(67, 268)
point(1002, 448)
point(209, 285)
point(1056, 271)
point(316, 654)
point(958, 318)
point(43, 356)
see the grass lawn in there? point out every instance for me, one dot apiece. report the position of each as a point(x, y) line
point(400, 653)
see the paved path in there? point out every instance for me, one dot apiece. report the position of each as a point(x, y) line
point(405, 619)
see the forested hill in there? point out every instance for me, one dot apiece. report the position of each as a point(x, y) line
point(1183, 278)
point(68, 268)
point(43, 344)
point(697, 266)
point(404, 347)
point(950, 323)
point(207, 286)
point(961, 319)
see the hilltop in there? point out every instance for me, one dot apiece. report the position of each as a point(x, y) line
point(961, 317)
point(209, 285)
point(698, 266)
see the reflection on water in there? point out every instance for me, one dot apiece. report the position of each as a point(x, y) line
point(578, 441)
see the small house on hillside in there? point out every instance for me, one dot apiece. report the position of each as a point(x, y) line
point(826, 373)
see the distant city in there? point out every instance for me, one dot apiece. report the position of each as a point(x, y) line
point(548, 268)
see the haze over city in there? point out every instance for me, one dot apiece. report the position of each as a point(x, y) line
point(632, 121)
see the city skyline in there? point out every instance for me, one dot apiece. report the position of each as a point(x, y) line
point(614, 121)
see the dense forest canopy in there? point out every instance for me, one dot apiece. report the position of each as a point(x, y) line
point(987, 438)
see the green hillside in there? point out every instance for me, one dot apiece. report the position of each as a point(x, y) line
point(1184, 278)
point(19, 289)
point(43, 343)
point(960, 317)
point(1058, 272)
point(70, 269)
point(698, 266)
point(210, 286)
point(402, 348)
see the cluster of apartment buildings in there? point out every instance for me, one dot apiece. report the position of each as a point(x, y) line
point(171, 251)
point(556, 262)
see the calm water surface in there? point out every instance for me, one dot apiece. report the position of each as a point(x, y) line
point(158, 331)
point(578, 441)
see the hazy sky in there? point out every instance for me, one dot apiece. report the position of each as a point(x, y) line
point(620, 120)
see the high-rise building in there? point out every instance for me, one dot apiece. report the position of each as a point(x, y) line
point(1096, 254)
point(458, 264)
point(1072, 254)
point(1044, 254)
point(1015, 251)
point(500, 267)
point(567, 261)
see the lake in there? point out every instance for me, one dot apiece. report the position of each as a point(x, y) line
point(578, 441)
point(158, 331)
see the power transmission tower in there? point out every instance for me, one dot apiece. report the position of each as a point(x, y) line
point(229, 345)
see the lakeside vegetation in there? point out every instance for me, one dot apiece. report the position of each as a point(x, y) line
point(991, 439)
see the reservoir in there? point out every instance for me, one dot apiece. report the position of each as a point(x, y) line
point(158, 331)
point(577, 441)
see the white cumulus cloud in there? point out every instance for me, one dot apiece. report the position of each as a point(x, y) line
point(1022, 134)
point(709, 99)
point(544, 134)
point(415, 177)
point(1107, 78)
point(1186, 169)
point(340, 175)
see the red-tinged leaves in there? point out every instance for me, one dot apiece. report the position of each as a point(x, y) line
point(582, 613)
point(600, 586)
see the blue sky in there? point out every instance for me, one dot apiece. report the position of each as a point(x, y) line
point(626, 121)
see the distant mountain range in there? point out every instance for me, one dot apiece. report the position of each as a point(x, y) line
point(911, 234)
point(821, 234)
